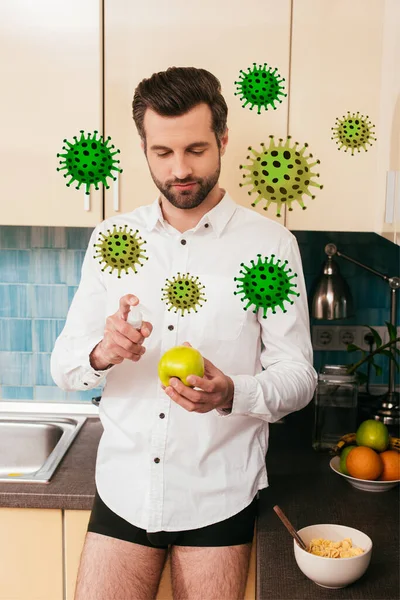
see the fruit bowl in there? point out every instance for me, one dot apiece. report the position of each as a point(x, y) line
point(366, 485)
point(333, 573)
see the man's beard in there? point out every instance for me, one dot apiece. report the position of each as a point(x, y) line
point(188, 198)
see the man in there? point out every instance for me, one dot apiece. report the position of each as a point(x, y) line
point(180, 467)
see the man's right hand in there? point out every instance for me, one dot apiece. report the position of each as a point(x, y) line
point(121, 340)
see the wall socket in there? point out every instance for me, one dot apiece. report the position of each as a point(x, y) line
point(337, 337)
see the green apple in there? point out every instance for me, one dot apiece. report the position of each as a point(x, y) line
point(343, 458)
point(180, 362)
point(373, 434)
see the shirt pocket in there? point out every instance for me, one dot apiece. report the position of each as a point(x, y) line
point(221, 317)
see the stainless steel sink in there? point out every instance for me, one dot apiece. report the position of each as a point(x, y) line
point(32, 446)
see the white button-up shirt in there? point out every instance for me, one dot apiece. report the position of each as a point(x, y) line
point(159, 466)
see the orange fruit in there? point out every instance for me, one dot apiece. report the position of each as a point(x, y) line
point(364, 463)
point(391, 465)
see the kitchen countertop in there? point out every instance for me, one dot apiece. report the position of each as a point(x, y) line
point(301, 482)
point(72, 485)
point(309, 492)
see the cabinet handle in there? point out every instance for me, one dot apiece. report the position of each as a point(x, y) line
point(116, 193)
point(390, 196)
point(86, 201)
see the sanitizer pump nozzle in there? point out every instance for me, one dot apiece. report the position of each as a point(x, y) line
point(135, 317)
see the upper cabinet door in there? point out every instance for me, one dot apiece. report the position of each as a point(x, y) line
point(388, 217)
point(343, 86)
point(224, 37)
point(50, 73)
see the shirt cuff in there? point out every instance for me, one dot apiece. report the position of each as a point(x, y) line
point(93, 377)
point(244, 396)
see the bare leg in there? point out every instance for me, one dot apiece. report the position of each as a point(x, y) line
point(217, 573)
point(112, 569)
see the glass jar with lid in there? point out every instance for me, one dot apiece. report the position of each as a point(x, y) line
point(335, 406)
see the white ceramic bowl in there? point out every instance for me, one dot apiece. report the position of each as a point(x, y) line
point(333, 572)
point(363, 484)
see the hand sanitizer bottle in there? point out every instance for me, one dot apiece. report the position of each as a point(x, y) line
point(135, 317)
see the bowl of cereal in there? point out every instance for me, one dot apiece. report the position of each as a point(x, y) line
point(336, 555)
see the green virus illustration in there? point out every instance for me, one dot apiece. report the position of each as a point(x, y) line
point(120, 249)
point(89, 160)
point(183, 292)
point(280, 174)
point(266, 284)
point(353, 132)
point(260, 87)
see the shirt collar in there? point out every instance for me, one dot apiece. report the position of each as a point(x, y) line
point(154, 216)
point(218, 217)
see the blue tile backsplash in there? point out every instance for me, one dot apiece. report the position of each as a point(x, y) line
point(40, 270)
point(371, 294)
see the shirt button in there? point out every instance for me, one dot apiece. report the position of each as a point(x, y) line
point(156, 460)
point(84, 383)
point(183, 242)
point(170, 327)
point(161, 415)
point(206, 225)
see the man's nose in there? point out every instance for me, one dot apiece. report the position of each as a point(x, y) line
point(181, 169)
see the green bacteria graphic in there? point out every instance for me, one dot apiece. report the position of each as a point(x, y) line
point(280, 174)
point(353, 132)
point(120, 250)
point(260, 87)
point(88, 161)
point(183, 292)
point(266, 285)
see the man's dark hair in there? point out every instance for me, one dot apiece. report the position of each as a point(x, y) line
point(177, 90)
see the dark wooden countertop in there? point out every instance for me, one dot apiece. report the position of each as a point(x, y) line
point(309, 492)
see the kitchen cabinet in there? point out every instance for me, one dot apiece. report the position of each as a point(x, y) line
point(344, 59)
point(389, 219)
point(223, 37)
point(336, 58)
point(51, 88)
point(75, 525)
point(31, 562)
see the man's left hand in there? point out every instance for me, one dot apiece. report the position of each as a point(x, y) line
point(216, 390)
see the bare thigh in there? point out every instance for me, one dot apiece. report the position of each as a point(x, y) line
point(112, 569)
point(217, 573)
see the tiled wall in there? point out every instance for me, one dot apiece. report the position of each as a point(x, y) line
point(40, 271)
point(371, 294)
point(39, 274)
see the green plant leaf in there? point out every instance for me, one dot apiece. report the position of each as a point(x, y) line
point(391, 357)
point(392, 330)
point(353, 348)
point(361, 377)
point(378, 369)
point(377, 337)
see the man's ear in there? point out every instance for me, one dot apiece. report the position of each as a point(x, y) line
point(224, 141)
point(142, 146)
